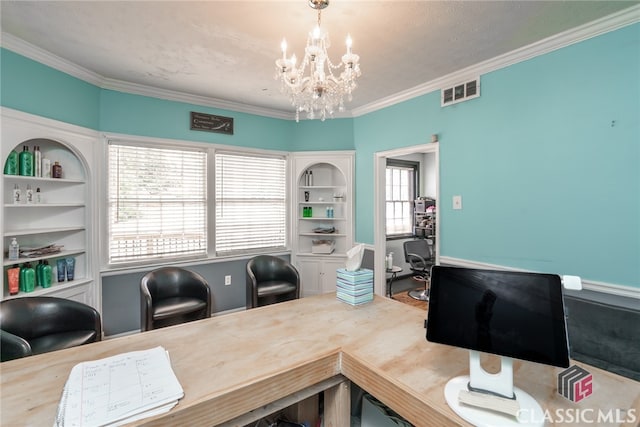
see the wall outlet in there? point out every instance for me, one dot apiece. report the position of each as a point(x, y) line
point(227, 280)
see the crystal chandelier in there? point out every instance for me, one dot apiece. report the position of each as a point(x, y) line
point(320, 92)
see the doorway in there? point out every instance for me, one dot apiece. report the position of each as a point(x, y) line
point(380, 240)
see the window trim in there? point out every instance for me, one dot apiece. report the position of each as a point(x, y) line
point(101, 171)
point(415, 165)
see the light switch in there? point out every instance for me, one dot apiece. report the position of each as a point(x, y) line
point(457, 202)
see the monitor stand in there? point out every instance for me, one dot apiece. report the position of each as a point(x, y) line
point(485, 390)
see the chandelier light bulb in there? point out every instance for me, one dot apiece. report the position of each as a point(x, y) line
point(317, 86)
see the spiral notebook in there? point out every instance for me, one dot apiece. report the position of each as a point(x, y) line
point(119, 389)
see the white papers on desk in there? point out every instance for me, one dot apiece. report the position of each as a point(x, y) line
point(119, 389)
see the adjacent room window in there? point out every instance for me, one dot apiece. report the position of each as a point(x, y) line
point(401, 190)
point(157, 202)
point(250, 203)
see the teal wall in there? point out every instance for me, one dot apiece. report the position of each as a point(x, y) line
point(141, 115)
point(547, 161)
point(27, 85)
point(547, 182)
point(332, 134)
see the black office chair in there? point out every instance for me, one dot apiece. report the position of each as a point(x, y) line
point(420, 257)
point(173, 295)
point(35, 325)
point(271, 280)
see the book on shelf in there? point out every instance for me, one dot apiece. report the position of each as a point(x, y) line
point(119, 389)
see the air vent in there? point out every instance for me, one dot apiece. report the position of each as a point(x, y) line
point(460, 92)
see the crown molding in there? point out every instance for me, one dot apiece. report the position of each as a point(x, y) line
point(575, 35)
point(609, 23)
point(188, 98)
point(30, 51)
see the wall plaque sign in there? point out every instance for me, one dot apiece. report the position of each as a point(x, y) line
point(211, 123)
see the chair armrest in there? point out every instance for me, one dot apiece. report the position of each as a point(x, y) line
point(410, 257)
point(13, 347)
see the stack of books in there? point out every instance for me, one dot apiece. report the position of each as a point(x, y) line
point(355, 287)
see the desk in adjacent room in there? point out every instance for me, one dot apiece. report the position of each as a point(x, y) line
point(234, 364)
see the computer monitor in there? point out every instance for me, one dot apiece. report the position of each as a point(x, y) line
point(511, 314)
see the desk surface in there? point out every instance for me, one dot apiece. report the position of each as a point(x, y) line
point(231, 364)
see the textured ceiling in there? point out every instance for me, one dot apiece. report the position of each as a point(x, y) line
point(226, 49)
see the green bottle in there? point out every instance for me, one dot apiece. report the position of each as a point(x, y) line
point(11, 165)
point(25, 161)
point(46, 275)
point(27, 278)
point(39, 274)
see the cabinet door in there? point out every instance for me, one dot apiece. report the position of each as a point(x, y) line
point(328, 274)
point(309, 277)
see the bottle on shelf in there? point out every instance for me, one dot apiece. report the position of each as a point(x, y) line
point(25, 161)
point(29, 194)
point(38, 198)
point(11, 165)
point(310, 178)
point(14, 250)
point(46, 275)
point(27, 278)
point(37, 161)
point(13, 276)
point(17, 195)
point(46, 168)
point(390, 261)
point(56, 170)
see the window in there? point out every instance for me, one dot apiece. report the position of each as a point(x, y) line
point(401, 183)
point(250, 203)
point(157, 202)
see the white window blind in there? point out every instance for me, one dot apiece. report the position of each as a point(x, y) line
point(250, 203)
point(400, 193)
point(157, 202)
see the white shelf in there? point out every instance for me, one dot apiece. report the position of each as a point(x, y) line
point(323, 234)
point(323, 218)
point(64, 215)
point(55, 287)
point(333, 254)
point(61, 254)
point(40, 179)
point(44, 205)
point(320, 187)
point(322, 203)
point(32, 231)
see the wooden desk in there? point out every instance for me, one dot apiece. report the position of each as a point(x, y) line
point(233, 364)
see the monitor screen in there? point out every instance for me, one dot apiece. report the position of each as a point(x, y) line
point(513, 314)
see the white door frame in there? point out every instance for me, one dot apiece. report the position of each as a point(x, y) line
point(379, 199)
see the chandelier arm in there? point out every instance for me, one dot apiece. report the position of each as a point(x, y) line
point(321, 92)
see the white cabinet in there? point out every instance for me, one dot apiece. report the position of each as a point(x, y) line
point(323, 217)
point(318, 274)
point(64, 216)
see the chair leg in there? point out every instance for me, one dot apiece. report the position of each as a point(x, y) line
point(421, 294)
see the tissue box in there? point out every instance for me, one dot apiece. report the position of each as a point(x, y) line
point(322, 246)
